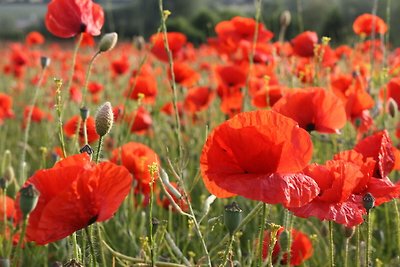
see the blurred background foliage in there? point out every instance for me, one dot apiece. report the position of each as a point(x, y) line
point(333, 18)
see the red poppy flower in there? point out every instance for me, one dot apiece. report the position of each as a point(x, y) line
point(34, 38)
point(379, 148)
point(258, 155)
point(231, 79)
point(136, 157)
point(301, 248)
point(392, 91)
point(145, 85)
point(9, 208)
point(176, 41)
point(74, 194)
point(169, 110)
point(364, 25)
point(184, 74)
point(75, 94)
point(37, 115)
point(67, 18)
point(268, 96)
point(70, 129)
point(95, 87)
point(120, 66)
point(314, 109)
point(337, 201)
point(142, 120)
point(198, 99)
point(6, 111)
point(87, 40)
point(303, 44)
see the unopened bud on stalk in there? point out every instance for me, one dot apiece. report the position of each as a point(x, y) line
point(139, 42)
point(285, 18)
point(368, 201)
point(44, 62)
point(284, 239)
point(108, 42)
point(104, 119)
point(392, 107)
point(232, 217)
point(84, 113)
point(29, 197)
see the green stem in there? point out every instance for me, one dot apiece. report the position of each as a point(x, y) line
point(91, 246)
point(140, 261)
point(88, 71)
point(17, 256)
point(300, 15)
point(368, 245)
point(346, 252)
point(228, 251)
point(75, 246)
point(100, 144)
point(59, 115)
point(396, 208)
point(358, 252)
point(29, 118)
point(100, 243)
point(331, 244)
point(152, 252)
point(261, 234)
point(71, 75)
point(173, 81)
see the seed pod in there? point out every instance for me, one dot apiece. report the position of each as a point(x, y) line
point(232, 217)
point(84, 113)
point(45, 62)
point(104, 119)
point(284, 239)
point(108, 42)
point(29, 197)
point(368, 201)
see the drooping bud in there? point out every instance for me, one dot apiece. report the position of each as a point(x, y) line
point(392, 107)
point(232, 217)
point(368, 201)
point(285, 18)
point(45, 62)
point(73, 263)
point(104, 119)
point(29, 197)
point(108, 42)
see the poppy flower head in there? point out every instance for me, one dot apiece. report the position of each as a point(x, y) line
point(258, 155)
point(176, 42)
point(74, 194)
point(67, 18)
point(136, 157)
point(34, 38)
point(303, 44)
point(198, 99)
point(70, 129)
point(365, 24)
point(379, 148)
point(301, 247)
point(6, 111)
point(314, 109)
point(184, 74)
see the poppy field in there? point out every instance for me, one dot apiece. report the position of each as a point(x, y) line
point(250, 149)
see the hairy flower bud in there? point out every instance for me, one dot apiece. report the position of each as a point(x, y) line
point(368, 201)
point(104, 119)
point(285, 18)
point(108, 41)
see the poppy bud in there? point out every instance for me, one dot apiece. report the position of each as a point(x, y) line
point(9, 174)
point(392, 107)
point(155, 222)
point(108, 41)
point(84, 113)
point(139, 42)
point(104, 119)
point(232, 217)
point(284, 239)
point(368, 201)
point(44, 62)
point(349, 232)
point(29, 197)
point(73, 263)
point(285, 18)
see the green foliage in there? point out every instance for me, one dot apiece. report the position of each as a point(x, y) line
point(181, 24)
